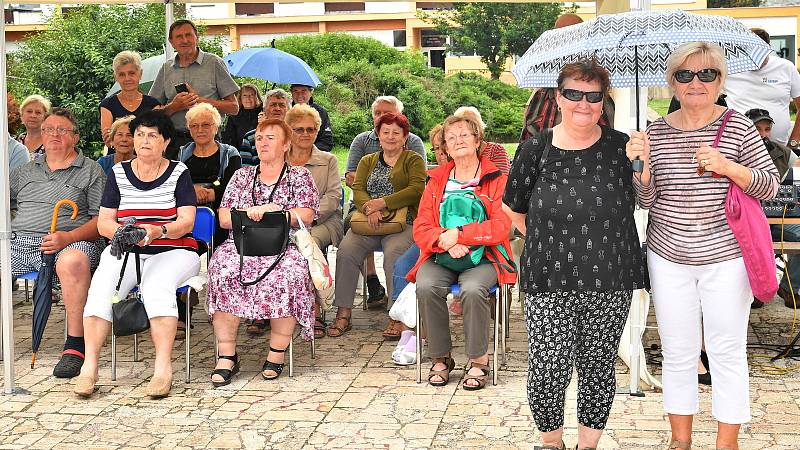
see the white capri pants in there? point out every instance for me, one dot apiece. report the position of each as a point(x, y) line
point(720, 295)
point(162, 274)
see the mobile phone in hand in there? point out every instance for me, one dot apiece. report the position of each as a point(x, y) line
point(181, 88)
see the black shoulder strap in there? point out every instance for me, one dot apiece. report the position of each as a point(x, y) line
point(547, 136)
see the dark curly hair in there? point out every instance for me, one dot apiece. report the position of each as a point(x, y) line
point(154, 118)
point(588, 70)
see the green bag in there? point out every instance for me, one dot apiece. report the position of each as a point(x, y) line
point(460, 208)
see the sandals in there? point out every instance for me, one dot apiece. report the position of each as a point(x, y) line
point(337, 329)
point(319, 327)
point(257, 327)
point(226, 374)
point(269, 365)
point(550, 447)
point(393, 331)
point(444, 374)
point(680, 445)
point(481, 379)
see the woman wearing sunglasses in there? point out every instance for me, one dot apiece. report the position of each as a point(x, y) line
point(571, 189)
point(700, 286)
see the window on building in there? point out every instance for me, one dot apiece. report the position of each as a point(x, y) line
point(399, 38)
point(254, 9)
point(344, 7)
point(784, 46)
point(434, 5)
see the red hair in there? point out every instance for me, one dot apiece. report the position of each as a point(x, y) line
point(394, 118)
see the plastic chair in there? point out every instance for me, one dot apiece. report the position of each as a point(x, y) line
point(500, 315)
point(204, 226)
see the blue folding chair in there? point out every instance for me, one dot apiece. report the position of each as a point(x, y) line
point(204, 226)
point(500, 316)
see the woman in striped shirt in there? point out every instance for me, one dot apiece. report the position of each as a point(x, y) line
point(696, 268)
point(159, 195)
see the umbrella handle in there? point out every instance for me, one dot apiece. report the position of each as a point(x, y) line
point(62, 202)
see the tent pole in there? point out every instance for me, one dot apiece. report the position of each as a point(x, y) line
point(6, 311)
point(169, 17)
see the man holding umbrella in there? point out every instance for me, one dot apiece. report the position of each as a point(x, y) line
point(194, 76)
point(302, 95)
point(63, 173)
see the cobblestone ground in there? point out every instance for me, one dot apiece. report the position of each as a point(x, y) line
point(349, 396)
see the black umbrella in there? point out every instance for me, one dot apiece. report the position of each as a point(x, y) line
point(43, 287)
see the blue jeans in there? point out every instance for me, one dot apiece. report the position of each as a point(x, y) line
point(791, 233)
point(401, 268)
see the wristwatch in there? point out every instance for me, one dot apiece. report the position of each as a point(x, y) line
point(793, 143)
point(163, 232)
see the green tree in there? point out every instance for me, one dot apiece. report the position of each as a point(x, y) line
point(734, 3)
point(493, 31)
point(70, 61)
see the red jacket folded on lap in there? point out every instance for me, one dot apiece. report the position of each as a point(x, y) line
point(492, 232)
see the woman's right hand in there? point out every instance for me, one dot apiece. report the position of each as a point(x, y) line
point(374, 219)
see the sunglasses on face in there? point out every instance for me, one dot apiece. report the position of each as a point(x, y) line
point(575, 95)
point(307, 130)
point(704, 75)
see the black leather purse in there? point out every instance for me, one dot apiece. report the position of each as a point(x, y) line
point(129, 315)
point(266, 237)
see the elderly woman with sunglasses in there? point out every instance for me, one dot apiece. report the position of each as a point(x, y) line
point(699, 280)
point(571, 188)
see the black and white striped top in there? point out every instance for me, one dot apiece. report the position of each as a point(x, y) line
point(687, 223)
point(155, 202)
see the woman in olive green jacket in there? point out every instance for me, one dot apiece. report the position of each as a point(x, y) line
point(386, 181)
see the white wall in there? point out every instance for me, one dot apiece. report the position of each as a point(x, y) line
point(388, 7)
point(299, 9)
point(207, 10)
point(776, 26)
point(385, 36)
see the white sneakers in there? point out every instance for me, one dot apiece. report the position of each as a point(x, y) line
point(405, 354)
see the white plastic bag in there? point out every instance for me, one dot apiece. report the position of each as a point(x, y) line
point(405, 307)
point(317, 263)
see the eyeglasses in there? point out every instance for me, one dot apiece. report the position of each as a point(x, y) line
point(454, 137)
point(201, 126)
point(307, 130)
point(705, 75)
point(57, 131)
point(575, 95)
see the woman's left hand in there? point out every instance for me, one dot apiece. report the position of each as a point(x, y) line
point(712, 160)
point(374, 205)
point(153, 232)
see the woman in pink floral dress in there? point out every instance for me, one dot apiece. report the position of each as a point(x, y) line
point(286, 295)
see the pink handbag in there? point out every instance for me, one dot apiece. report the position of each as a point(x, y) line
point(749, 224)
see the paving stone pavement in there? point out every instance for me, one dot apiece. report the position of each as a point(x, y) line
point(349, 396)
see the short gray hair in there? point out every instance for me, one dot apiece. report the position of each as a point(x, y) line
point(279, 93)
point(467, 111)
point(127, 57)
point(203, 108)
point(388, 99)
point(712, 56)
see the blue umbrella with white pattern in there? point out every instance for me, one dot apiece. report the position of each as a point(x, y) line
point(634, 46)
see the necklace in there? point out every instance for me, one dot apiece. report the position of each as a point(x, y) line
point(152, 176)
point(129, 103)
point(477, 168)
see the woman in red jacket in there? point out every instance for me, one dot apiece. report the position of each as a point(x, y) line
point(443, 249)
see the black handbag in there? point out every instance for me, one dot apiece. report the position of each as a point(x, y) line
point(266, 237)
point(129, 315)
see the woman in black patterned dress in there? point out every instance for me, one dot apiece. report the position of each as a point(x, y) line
point(570, 192)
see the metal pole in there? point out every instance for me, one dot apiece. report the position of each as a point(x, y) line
point(6, 311)
point(169, 17)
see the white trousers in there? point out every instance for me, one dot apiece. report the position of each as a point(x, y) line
point(717, 298)
point(162, 274)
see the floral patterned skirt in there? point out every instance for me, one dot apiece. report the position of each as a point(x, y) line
point(286, 292)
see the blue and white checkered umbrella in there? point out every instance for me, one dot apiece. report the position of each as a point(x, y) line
point(616, 40)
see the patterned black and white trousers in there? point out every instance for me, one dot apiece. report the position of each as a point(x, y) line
point(580, 329)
